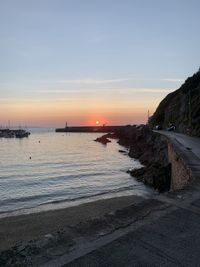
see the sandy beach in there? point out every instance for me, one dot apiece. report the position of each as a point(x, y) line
point(18, 229)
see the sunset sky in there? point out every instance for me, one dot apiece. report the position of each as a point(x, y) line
point(86, 60)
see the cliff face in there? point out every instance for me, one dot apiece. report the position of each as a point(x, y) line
point(182, 108)
point(144, 144)
point(151, 150)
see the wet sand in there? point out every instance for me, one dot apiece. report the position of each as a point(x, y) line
point(18, 229)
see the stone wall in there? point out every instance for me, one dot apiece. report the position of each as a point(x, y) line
point(180, 174)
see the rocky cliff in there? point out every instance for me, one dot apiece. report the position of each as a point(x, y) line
point(151, 150)
point(181, 108)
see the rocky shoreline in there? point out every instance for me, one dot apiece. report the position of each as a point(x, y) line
point(104, 139)
point(150, 149)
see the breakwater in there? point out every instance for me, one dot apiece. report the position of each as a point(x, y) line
point(90, 129)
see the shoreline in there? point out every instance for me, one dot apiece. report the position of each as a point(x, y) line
point(18, 229)
point(63, 204)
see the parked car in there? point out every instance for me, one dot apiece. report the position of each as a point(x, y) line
point(171, 128)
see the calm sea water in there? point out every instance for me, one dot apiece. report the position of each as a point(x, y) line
point(51, 167)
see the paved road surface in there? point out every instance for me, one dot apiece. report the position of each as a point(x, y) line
point(192, 143)
point(173, 240)
point(189, 149)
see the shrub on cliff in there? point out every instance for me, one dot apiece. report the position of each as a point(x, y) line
point(182, 108)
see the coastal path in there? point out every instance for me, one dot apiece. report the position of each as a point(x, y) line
point(189, 150)
point(169, 235)
point(188, 142)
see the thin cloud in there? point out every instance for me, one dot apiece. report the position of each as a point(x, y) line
point(50, 91)
point(173, 80)
point(153, 90)
point(60, 91)
point(5, 101)
point(106, 90)
point(93, 81)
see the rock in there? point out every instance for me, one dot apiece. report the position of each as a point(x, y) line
point(152, 151)
point(103, 139)
point(154, 175)
point(137, 172)
point(179, 196)
point(49, 236)
point(111, 135)
point(162, 178)
point(122, 151)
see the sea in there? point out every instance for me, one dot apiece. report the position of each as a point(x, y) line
point(50, 170)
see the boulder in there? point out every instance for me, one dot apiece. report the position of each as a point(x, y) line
point(154, 175)
point(103, 140)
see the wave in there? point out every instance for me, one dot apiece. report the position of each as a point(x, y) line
point(45, 197)
point(117, 190)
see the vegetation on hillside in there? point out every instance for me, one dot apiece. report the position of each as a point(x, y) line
point(181, 108)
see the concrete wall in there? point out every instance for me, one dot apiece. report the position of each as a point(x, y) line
point(180, 173)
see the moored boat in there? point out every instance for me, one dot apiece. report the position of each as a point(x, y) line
point(7, 133)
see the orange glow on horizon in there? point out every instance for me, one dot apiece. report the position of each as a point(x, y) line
point(53, 113)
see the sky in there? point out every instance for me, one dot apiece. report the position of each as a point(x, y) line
point(83, 61)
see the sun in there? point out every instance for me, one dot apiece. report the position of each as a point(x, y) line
point(97, 122)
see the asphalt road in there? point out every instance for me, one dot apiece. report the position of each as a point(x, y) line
point(192, 143)
point(173, 240)
point(188, 148)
